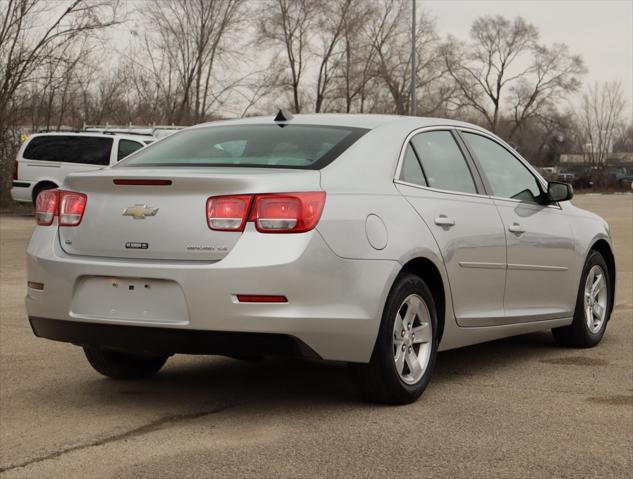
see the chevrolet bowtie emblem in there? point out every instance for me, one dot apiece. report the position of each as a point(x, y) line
point(139, 212)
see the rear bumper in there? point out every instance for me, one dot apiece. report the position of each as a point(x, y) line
point(169, 341)
point(22, 191)
point(334, 304)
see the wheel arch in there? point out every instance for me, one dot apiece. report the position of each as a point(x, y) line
point(603, 247)
point(42, 185)
point(426, 269)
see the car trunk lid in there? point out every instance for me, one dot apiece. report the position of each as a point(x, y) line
point(160, 214)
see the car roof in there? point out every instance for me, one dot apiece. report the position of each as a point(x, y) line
point(368, 121)
point(95, 134)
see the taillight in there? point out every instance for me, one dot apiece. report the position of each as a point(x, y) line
point(287, 212)
point(271, 213)
point(71, 208)
point(46, 205)
point(68, 205)
point(228, 213)
point(15, 169)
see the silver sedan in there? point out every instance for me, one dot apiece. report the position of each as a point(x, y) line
point(373, 240)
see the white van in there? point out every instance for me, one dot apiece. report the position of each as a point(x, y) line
point(45, 159)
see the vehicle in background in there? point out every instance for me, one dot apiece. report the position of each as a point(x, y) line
point(45, 159)
point(582, 182)
point(550, 173)
point(157, 131)
point(624, 176)
point(566, 177)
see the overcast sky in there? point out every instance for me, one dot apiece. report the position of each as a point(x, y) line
point(599, 30)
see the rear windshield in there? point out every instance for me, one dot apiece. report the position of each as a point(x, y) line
point(269, 146)
point(69, 149)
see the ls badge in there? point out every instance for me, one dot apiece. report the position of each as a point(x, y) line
point(136, 245)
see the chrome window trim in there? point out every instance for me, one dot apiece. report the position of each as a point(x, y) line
point(556, 206)
point(519, 158)
point(438, 190)
point(399, 165)
point(462, 193)
point(509, 149)
point(407, 139)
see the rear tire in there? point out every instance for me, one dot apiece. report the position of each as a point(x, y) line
point(119, 365)
point(401, 364)
point(593, 306)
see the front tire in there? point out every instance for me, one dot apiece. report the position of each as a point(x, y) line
point(404, 355)
point(593, 306)
point(119, 365)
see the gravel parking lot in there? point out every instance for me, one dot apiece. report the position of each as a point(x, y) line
point(520, 407)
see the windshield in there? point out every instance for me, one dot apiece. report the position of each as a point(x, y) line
point(268, 146)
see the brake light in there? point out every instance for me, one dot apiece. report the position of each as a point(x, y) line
point(271, 213)
point(132, 182)
point(46, 205)
point(69, 206)
point(228, 213)
point(15, 169)
point(287, 212)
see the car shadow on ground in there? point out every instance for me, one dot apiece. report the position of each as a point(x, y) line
point(273, 381)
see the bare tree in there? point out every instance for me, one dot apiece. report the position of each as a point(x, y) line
point(504, 70)
point(624, 141)
point(192, 37)
point(255, 88)
point(333, 18)
point(601, 119)
point(154, 82)
point(287, 26)
point(32, 31)
point(555, 73)
point(356, 64)
point(390, 33)
point(32, 34)
point(389, 30)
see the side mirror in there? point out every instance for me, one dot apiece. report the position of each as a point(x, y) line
point(557, 191)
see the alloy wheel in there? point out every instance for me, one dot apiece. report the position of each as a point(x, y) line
point(412, 339)
point(596, 298)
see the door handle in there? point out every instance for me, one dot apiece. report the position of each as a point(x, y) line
point(516, 229)
point(444, 221)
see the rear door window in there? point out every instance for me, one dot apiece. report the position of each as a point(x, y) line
point(263, 146)
point(444, 166)
point(70, 149)
point(127, 147)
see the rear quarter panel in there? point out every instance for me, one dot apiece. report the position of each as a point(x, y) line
point(360, 184)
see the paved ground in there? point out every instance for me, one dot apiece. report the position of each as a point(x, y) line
point(513, 408)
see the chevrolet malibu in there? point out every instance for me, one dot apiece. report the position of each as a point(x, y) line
point(372, 240)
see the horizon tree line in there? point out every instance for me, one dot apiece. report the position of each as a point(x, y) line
point(63, 64)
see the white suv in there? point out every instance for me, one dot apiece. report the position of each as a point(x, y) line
point(45, 159)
